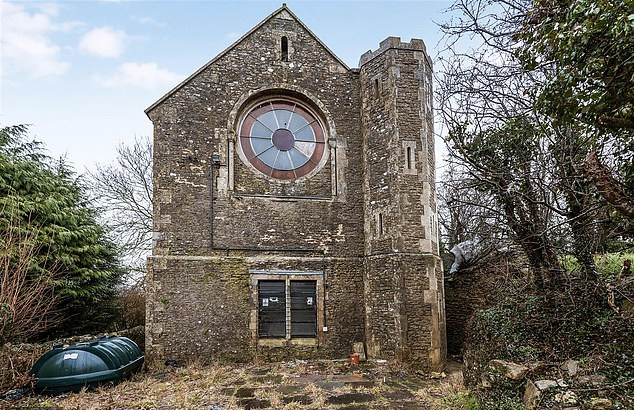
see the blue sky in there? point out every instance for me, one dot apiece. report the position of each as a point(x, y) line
point(82, 72)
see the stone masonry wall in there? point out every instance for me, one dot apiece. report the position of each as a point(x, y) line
point(204, 213)
point(199, 308)
point(364, 223)
point(397, 115)
point(405, 310)
point(407, 319)
point(250, 211)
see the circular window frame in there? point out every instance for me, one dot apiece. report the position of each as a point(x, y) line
point(304, 149)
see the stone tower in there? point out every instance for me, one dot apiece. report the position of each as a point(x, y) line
point(403, 279)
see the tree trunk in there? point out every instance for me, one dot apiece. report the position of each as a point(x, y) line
point(609, 188)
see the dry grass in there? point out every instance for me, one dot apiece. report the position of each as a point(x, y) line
point(15, 362)
point(289, 386)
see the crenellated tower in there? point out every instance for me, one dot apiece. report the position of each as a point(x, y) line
point(403, 286)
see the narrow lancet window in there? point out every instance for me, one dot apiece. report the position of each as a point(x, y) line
point(284, 48)
point(409, 157)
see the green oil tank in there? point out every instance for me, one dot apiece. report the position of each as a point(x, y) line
point(72, 367)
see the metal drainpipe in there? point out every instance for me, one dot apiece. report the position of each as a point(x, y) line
point(215, 163)
point(325, 276)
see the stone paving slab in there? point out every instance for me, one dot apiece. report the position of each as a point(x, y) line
point(355, 390)
point(348, 398)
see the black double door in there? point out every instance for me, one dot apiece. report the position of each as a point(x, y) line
point(272, 299)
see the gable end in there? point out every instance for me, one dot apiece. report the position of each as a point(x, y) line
point(283, 13)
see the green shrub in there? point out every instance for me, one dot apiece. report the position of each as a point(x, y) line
point(527, 328)
point(461, 401)
point(609, 265)
point(570, 264)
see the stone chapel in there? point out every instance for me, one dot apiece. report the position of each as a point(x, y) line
point(294, 205)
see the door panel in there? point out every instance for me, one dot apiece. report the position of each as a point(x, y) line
point(272, 308)
point(303, 308)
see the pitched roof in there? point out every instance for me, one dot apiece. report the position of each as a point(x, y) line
point(280, 11)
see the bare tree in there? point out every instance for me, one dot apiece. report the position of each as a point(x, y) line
point(465, 212)
point(123, 191)
point(530, 166)
point(27, 298)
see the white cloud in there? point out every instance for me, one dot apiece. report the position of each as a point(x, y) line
point(103, 42)
point(26, 42)
point(142, 75)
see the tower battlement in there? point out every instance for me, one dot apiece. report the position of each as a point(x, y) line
point(391, 42)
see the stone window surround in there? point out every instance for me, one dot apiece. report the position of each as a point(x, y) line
point(409, 158)
point(284, 48)
point(287, 276)
point(333, 154)
point(380, 218)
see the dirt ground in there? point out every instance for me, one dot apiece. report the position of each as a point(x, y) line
point(297, 385)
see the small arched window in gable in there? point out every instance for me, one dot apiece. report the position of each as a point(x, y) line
point(284, 48)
